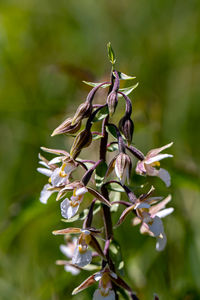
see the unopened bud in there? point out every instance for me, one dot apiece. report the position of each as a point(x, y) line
point(112, 102)
point(126, 126)
point(83, 111)
point(123, 167)
point(82, 140)
point(67, 127)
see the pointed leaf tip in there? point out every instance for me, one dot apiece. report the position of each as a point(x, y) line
point(111, 54)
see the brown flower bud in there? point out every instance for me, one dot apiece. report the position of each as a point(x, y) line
point(126, 127)
point(123, 167)
point(83, 111)
point(82, 140)
point(112, 102)
point(67, 127)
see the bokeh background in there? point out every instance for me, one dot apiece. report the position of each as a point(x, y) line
point(46, 49)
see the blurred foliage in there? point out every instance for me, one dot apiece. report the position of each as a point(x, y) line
point(46, 49)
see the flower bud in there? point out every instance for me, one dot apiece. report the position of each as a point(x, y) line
point(82, 140)
point(112, 102)
point(123, 167)
point(126, 126)
point(67, 127)
point(83, 111)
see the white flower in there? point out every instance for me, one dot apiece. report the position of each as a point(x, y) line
point(82, 256)
point(104, 291)
point(70, 207)
point(68, 251)
point(150, 216)
point(147, 166)
point(45, 193)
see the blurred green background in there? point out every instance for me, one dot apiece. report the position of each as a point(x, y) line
point(46, 49)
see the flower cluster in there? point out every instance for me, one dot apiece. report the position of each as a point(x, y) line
point(83, 198)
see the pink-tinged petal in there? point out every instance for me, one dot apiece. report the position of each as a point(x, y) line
point(55, 151)
point(158, 157)
point(67, 251)
point(161, 242)
point(81, 259)
point(154, 152)
point(156, 208)
point(98, 296)
point(136, 221)
point(151, 171)
point(74, 271)
point(85, 284)
point(165, 212)
point(140, 168)
point(45, 194)
point(156, 227)
point(81, 191)
point(67, 230)
point(68, 210)
point(44, 171)
point(164, 176)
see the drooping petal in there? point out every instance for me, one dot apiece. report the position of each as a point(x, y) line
point(67, 209)
point(45, 194)
point(165, 212)
point(44, 171)
point(154, 152)
point(71, 269)
point(164, 175)
point(161, 242)
point(81, 259)
point(98, 296)
point(55, 151)
point(156, 227)
point(66, 250)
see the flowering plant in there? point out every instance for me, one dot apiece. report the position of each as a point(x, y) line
point(147, 210)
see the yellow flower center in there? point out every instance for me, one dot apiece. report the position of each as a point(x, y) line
point(155, 164)
point(62, 171)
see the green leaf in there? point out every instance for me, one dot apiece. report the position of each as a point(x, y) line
point(111, 54)
point(96, 136)
point(128, 90)
point(115, 187)
point(116, 255)
point(111, 129)
point(123, 76)
point(115, 196)
point(101, 114)
point(100, 174)
point(94, 84)
point(112, 147)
